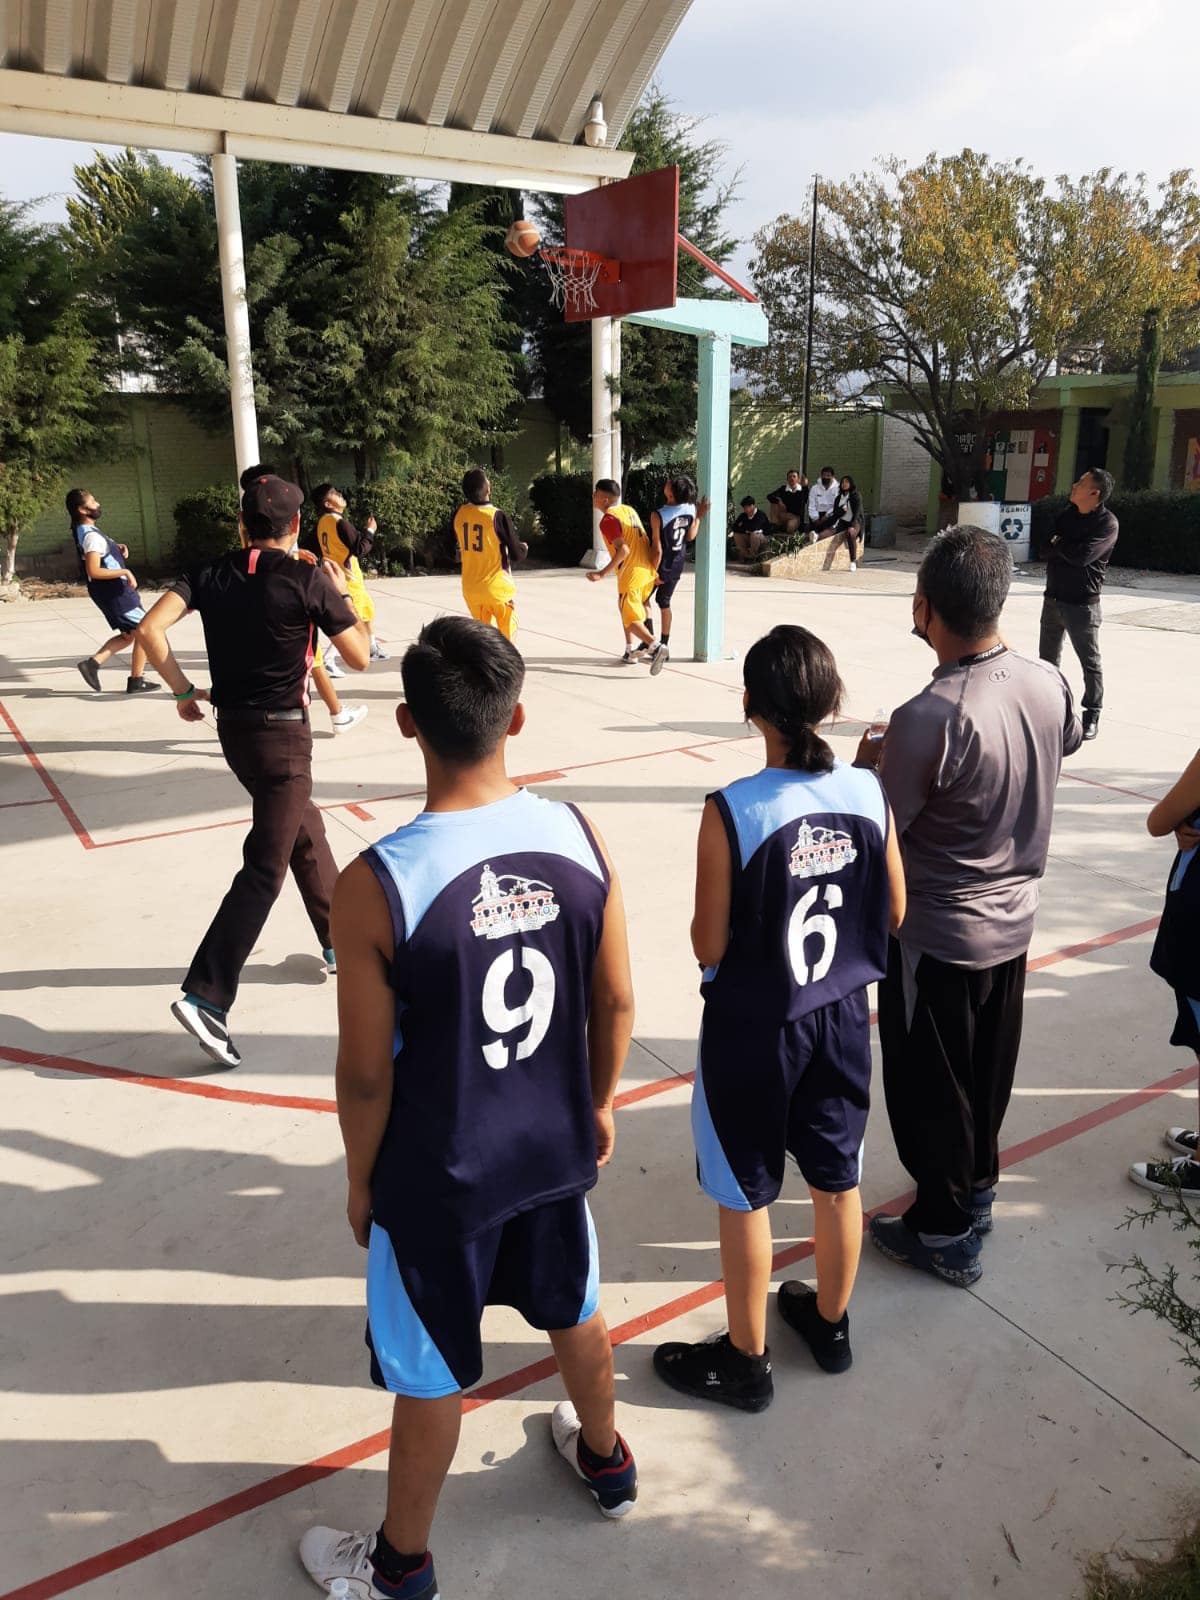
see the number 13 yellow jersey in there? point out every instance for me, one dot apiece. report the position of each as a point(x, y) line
point(484, 553)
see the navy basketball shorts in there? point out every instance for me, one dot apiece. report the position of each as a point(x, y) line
point(763, 1091)
point(423, 1313)
point(668, 580)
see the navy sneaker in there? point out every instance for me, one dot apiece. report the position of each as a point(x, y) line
point(715, 1369)
point(208, 1028)
point(330, 1557)
point(828, 1341)
point(90, 673)
point(957, 1263)
point(981, 1210)
point(614, 1489)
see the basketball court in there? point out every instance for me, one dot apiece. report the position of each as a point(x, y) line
point(183, 1303)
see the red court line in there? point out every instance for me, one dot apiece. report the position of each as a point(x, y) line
point(357, 811)
point(285, 1483)
point(1133, 931)
point(52, 789)
point(1095, 783)
point(13, 805)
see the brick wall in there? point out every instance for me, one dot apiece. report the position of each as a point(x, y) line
point(767, 439)
point(904, 491)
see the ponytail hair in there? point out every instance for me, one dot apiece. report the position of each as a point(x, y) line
point(75, 498)
point(792, 683)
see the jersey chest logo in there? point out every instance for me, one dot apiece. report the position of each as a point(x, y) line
point(818, 852)
point(509, 904)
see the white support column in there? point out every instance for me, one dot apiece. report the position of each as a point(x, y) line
point(597, 556)
point(237, 317)
point(615, 453)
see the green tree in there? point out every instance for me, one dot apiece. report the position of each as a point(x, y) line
point(375, 316)
point(1138, 468)
point(657, 394)
point(955, 286)
point(53, 370)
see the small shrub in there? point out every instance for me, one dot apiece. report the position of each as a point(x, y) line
point(206, 524)
point(1160, 531)
point(563, 503)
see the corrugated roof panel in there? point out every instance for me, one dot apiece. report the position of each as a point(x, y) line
point(518, 67)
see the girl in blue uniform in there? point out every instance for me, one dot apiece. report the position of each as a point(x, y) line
point(1176, 959)
point(798, 881)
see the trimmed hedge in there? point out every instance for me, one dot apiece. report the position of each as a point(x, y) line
point(206, 524)
point(1160, 532)
point(563, 502)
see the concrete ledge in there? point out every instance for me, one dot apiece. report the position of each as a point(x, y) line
point(827, 555)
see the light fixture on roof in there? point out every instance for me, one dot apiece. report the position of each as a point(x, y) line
point(595, 129)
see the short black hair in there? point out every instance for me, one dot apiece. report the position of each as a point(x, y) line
point(792, 682)
point(1103, 481)
point(475, 486)
point(75, 499)
point(965, 576)
point(683, 488)
point(827, 469)
point(462, 681)
point(259, 470)
point(608, 486)
point(796, 470)
point(749, 500)
point(320, 492)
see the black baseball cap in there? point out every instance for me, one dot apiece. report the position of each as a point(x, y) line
point(268, 506)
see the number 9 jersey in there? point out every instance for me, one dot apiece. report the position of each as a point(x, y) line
point(810, 902)
point(497, 914)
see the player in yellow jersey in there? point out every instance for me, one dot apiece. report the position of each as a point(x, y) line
point(340, 541)
point(635, 557)
point(486, 545)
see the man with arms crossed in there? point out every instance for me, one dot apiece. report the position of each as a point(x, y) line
point(484, 1014)
point(260, 609)
point(970, 766)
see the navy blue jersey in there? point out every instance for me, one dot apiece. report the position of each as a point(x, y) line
point(676, 524)
point(808, 920)
point(1176, 953)
point(497, 915)
point(117, 599)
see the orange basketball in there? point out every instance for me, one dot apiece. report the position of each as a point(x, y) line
point(523, 238)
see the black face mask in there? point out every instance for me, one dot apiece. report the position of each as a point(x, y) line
point(94, 513)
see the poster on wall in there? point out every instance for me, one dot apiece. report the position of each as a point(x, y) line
point(1191, 467)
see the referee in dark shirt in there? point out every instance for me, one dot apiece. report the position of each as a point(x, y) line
point(260, 611)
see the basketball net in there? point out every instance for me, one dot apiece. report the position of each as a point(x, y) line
point(573, 277)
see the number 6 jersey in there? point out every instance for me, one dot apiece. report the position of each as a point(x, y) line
point(497, 914)
point(808, 921)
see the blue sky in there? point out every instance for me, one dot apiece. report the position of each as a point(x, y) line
point(794, 88)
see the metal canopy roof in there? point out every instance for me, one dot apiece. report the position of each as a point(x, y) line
point(503, 82)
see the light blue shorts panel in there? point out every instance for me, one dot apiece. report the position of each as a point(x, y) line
point(712, 1165)
point(408, 1360)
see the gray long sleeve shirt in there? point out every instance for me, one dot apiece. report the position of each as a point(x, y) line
point(970, 767)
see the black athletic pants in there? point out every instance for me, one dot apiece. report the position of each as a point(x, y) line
point(950, 1037)
point(1082, 625)
point(273, 762)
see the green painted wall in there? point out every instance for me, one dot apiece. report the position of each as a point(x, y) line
point(767, 440)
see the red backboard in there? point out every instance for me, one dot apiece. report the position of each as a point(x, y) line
point(635, 222)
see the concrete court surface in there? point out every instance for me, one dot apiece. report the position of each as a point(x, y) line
point(181, 1331)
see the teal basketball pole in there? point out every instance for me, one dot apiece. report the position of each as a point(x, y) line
point(718, 325)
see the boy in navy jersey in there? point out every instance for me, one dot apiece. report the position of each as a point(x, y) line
point(675, 524)
point(798, 880)
point(485, 1011)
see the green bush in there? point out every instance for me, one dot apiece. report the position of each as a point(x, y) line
point(644, 485)
point(206, 524)
point(563, 503)
point(1159, 531)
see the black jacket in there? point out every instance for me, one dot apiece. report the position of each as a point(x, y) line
point(1075, 562)
point(794, 499)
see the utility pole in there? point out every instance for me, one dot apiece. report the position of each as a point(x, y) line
point(812, 303)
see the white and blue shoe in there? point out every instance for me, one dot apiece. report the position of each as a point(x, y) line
point(209, 1029)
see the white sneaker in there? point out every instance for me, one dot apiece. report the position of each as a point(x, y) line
point(329, 1555)
point(209, 1031)
point(333, 664)
point(378, 653)
point(348, 717)
point(658, 659)
point(854, 566)
point(615, 1489)
point(1185, 1140)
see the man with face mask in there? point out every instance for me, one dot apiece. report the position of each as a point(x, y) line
point(821, 498)
point(970, 767)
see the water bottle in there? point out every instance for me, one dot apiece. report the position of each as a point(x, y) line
point(340, 1586)
point(879, 724)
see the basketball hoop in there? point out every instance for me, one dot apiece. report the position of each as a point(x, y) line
point(574, 275)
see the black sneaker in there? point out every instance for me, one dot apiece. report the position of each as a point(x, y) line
point(828, 1341)
point(717, 1370)
point(140, 686)
point(1185, 1141)
point(1178, 1178)
point(90, 673)
point(209, 1030)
